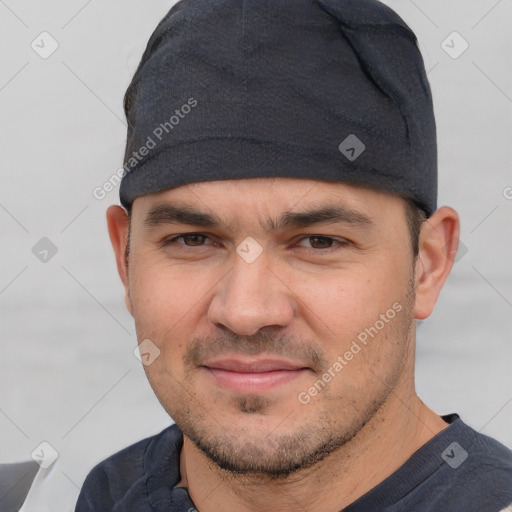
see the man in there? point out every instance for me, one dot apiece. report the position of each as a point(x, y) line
point(279, 238)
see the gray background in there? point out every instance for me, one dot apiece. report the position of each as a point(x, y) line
point(67, 372)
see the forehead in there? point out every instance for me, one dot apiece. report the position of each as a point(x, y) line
point(264, 198)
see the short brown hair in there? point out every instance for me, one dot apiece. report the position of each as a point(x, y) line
point(415, 216)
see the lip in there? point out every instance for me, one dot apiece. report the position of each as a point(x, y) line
point(253, 375)
point(253, 366)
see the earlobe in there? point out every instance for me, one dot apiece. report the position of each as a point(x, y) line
point(439, 239)
point(118, 226)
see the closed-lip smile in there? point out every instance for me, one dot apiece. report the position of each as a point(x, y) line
point(253, 375)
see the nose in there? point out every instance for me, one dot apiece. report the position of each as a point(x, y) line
point(250, 297)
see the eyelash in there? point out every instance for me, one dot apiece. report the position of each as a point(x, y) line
point(173, 240)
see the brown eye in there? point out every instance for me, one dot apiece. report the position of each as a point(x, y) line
point(318, 242)
point(194, 239)
point(187, 240)
point(321, 242)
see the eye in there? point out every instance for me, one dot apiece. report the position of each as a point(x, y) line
point(322, 242)
point(189, 240)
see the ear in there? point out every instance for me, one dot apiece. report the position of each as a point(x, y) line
point(438, 243)
point(118, 226)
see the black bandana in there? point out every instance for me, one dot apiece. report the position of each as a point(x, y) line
point(320, 89)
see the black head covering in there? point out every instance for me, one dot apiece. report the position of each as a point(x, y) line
point(320, 89)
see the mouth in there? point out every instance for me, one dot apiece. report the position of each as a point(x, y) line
point(256, 375)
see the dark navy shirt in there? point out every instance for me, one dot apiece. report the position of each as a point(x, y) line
point(458, 470)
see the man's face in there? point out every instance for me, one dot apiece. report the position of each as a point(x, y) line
point(278, 348)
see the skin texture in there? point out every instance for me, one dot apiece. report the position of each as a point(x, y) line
point(304, 300)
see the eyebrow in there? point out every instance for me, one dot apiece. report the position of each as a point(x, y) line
point(322, 214)
point(171, 214)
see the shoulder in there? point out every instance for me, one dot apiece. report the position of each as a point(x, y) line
point(492, 461)
point(123, 475)
point(486, 454)
point(482, 475)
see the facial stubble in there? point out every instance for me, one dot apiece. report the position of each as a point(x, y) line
point(269, 451)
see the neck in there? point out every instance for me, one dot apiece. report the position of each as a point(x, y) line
point(399, 428)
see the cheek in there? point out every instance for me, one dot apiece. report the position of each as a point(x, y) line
point(365, 345)
point(163, 305)
point(344, 302)
point(164, 302)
